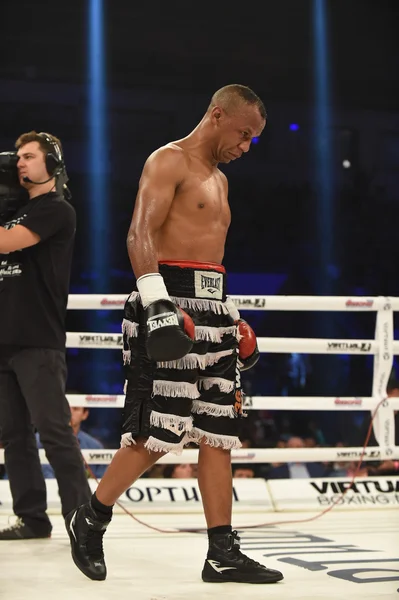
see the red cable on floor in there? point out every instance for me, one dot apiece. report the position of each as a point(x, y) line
point(267, 524)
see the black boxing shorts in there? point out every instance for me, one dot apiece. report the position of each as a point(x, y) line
point(198, 397)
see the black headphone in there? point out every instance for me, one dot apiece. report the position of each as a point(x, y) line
point(53, 159)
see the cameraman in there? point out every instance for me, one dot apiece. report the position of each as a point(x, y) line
point(36, 247)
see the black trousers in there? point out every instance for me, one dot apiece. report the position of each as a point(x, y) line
point(32, 395)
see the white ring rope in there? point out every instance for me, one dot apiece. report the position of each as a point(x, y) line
point(252, 455)
point(383, 347)
point(109, 341)
point(314, 403)
point(317, 303)
point(255, 402)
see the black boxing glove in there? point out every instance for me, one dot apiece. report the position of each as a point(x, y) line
point(170, 330)
point(248, 351)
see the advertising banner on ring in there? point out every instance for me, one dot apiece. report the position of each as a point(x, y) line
point(315, 494)
point(162, 495)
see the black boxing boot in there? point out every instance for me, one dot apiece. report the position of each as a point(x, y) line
point(86, 531)
point(225, 563)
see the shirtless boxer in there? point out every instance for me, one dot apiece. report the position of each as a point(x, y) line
point(184, 341)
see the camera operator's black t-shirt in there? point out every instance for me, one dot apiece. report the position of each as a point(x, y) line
point(34, 282)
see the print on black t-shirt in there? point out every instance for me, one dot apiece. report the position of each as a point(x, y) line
point(34, 282)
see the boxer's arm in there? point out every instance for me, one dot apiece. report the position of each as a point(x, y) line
point(169, 330)
point(162, 173)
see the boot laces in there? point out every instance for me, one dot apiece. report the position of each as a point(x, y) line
point(248, 562)
point(95, 543)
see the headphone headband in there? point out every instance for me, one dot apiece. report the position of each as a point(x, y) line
point(54, 158)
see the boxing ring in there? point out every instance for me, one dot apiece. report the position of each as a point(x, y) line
point(351, 550)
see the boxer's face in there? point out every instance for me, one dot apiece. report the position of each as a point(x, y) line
point(236, 130)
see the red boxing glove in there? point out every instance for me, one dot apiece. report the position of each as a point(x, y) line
point(248, 351)
point(188, 324)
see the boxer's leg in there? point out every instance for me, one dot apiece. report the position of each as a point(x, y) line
point(216, 426)
point(157, 417)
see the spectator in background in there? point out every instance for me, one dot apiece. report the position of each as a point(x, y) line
point(343, 468)
point(183, 471)
point(244, 471)
point(85, 440)
point(296, 470)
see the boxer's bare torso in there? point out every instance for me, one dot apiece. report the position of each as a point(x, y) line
point(182, 211)
point(199, 216)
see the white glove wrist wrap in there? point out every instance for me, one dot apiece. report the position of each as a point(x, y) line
point(151, 287)
point(231, 307)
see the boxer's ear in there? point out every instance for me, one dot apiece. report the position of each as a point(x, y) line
point(216, 114)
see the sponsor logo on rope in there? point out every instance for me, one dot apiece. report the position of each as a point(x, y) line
point(348, 401)
point(101, 340)
point(243, 457)
point(242, 303)
point(355, 454)
point(99, 456)
point(359, 303)
point(349, 346)
point(108, 302)
point(95, 399)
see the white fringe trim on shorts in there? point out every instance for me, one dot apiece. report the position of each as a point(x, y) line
point(227, 442)
point(193, 361)
point(224, 385)
point(127, 440)
point(174, 423)
point(175, 389)
point(127, 356)
point(199, 304)
point(155, 445)
point(213, 334)
point(214, 410)
point(133, 297)
point(131, 328)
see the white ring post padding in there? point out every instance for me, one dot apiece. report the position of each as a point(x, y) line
point(280, 303)
point(107, 341)
point(384, 421)
point(252, 455)
point(255, 402)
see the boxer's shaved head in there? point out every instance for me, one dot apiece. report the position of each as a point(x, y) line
point(232, 97)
